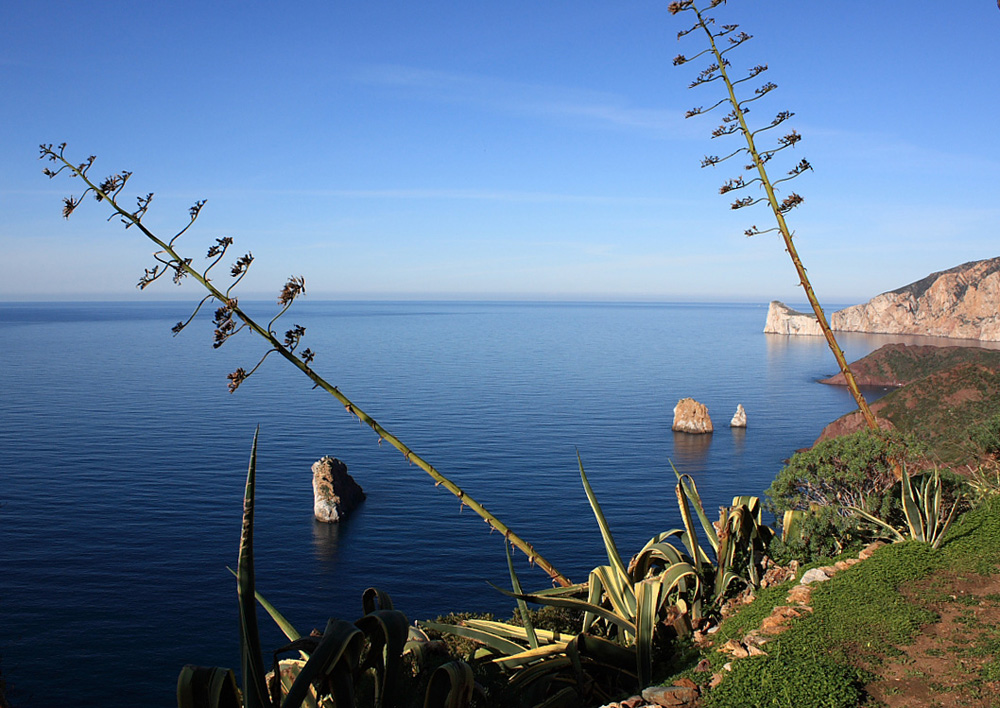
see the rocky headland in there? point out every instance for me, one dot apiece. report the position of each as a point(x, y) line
point(941, 392)
point(961, 303)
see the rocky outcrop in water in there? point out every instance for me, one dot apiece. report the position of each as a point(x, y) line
point(739, 418)
point(691, 417)
point(335, 493)
point(962, 302)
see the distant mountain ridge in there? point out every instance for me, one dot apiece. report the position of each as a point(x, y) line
point(961, 303)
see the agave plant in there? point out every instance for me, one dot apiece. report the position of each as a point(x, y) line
point(738, 541)
point(927, 519)
point(627, 603)
point(330, 666)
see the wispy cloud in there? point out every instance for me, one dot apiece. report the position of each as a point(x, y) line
point(558, 103)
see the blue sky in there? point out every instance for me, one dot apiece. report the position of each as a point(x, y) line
point(494, 150)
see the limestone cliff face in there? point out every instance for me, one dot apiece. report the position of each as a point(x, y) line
point(781, 319)
point(962, 302)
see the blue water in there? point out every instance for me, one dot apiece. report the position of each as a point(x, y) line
point(123, 457)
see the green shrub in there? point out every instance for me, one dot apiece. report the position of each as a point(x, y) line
point(985, 436)
point(823, 533)
point(852, 470)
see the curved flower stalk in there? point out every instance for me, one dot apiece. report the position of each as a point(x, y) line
point(231, 318)
point(721, 41)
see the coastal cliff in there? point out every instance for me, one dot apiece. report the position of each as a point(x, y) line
point(961, 302)
point(781, 319)
point(942, 394)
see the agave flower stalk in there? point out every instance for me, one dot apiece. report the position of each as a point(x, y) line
point(230, 318)
point(735, 121)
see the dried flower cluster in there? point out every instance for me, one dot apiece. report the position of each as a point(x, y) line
point(229, 318)
point(721, 41)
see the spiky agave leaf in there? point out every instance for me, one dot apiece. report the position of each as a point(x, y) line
point(911, 508)
point(207, 687)
point(251, 662)
point(614, 558)
point(489, 637)
point(892, 531)
point(374, 599)
point(605, 582)
point(574, 603)
point(516, 632)
point(387, 632)
point(451, 686)
point(649, 596)
point(286, 627)
point(522, 606)
point(336, 656)
point(792, 524)
point(687, 492)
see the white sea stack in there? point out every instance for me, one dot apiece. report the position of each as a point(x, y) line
point(739, 418)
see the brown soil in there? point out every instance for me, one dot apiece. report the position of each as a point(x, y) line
point(951, 662)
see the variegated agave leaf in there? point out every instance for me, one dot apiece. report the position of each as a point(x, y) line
point(494, 640)
point(335, 658)
point(522, 606)
point(614, 558)
point(386, 632)
point(451, 686)
point(374, 599)
point(687, 493)
point(251, 661)
point(207, 687)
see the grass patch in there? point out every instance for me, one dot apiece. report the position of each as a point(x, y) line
point(859, 618)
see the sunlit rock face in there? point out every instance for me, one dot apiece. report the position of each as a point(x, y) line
point(781, 319)
point(962, 303)
point(739, 418)
point(335, 493)
point(691, 417)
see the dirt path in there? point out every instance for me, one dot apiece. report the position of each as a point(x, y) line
point(955, 661)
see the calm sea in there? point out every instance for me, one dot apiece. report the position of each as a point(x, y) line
point(123, 457)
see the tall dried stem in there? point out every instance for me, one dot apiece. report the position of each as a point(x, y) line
point(735, 121)
point(230, 314)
